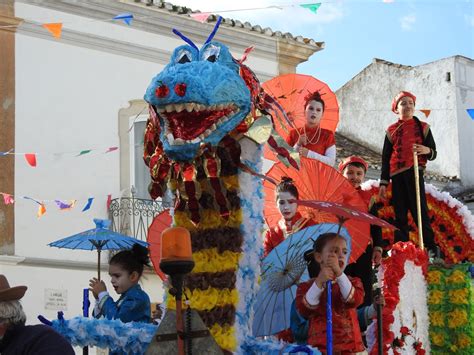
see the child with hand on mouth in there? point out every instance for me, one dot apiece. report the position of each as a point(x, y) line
point(330, 255)
point(125, 270)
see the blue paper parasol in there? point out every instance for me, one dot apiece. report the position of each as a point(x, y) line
point(99, 238)
point(282, 270)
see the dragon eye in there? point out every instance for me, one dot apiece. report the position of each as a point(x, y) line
point(211, 58)
point(183, 57)
point(211, 53)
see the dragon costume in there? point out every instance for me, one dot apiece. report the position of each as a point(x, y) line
point(201, 142)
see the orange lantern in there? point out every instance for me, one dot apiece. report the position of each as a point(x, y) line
point(176, 251)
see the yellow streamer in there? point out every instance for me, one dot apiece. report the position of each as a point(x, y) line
point(224, 336)
point(209, 219)
point(206, 300)
point(209, 260)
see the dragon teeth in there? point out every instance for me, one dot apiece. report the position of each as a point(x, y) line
point(179, 141)
point(189, 106)
point(195, 140)
point(179, 107)
point(169, 108)
point(170, 138)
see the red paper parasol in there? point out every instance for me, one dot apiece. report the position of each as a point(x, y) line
point(159, 224)
point(290, 90)
point(317, 181)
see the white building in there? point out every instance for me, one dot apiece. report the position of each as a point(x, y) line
point(446, 87)
point(82, 92)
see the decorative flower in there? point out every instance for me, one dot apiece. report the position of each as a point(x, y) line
point(437, 338)
point(435, 297)
point(457, 318)
point(456, 277)
point(418, 346)
point(437, 319)
point(459, 296)
point(434, 277)
point(464, 340)
point(404, 330)
point(450, 220)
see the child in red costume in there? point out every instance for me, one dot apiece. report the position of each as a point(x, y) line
point(330, 255)
point(405, 136)
point(291, 222)
point(311, 140)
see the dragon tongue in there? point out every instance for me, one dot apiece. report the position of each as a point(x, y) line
point(188, 126)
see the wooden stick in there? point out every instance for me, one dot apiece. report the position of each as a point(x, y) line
point(418, 200)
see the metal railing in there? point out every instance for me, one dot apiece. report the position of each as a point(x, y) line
point(132, 216)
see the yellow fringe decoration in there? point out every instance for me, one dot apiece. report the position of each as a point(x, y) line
point(210, 260)
point(210, 219)
point(224, 336)
point(206, 300)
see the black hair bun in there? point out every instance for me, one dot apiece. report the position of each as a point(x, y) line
point(286, 180)
point(141, 254)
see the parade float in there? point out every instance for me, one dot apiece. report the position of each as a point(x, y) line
point(209, 119)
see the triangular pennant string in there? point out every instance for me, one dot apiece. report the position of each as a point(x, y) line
point(88, 204)
point(54, 28)
point(8, 199)
point(311, 7)
point(109, 201)
point(65, 206)
point(201, 16)
point(6, 153)
point(31, 159)
point(470, 112)
point(111, 149)
point(126, 17)
point(426, 112)
point(41, 210)
point(83, 152)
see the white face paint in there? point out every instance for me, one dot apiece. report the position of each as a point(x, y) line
point(313, 112)
point(287, 205)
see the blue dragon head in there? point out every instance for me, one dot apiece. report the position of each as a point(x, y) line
point(198, 98)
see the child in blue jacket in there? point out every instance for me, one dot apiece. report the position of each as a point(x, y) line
point(125, 270)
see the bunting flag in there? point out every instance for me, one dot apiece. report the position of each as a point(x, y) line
point(65, 206)
point(470, 112)
point(88, 204)
point(109, 201)
point(126, 17)
point(311, 7)
point(201, 16)
point(426, 112)
point(83, 152)
point(54, 28)
point(6, 153)
point(8, 199)
point(41, 210)
point(31, 159)
point(111, 149)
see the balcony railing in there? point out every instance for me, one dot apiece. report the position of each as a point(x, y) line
point(132, 216)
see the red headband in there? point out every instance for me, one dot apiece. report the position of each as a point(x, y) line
point(352, 159)
point(399, 97)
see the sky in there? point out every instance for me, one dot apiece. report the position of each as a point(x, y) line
point(408, 32)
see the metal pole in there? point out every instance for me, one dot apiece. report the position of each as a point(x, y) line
point(378, 293)
point(98, 264)
point(418, 200)
point(329, 319)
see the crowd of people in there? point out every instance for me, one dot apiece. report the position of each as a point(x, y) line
point(352, 296)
